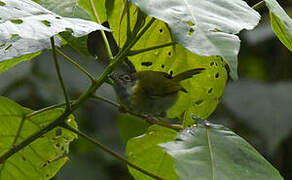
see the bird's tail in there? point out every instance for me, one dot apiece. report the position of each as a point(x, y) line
point(187, 74)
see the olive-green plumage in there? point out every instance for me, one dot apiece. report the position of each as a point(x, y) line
point(151, 92)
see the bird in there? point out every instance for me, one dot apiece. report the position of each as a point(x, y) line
point(150, 92)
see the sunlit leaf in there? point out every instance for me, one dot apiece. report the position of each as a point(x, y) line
point(145, 152)
point(41, 159)
point(26, 27)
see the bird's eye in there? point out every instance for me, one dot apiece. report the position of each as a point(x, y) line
point(126, 78)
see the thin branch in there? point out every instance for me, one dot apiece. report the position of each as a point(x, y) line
point(68, 105)
point(150, 120)
point(108, 150)
point(106, 100)
point(45, 109)
point(108, 48)
point(75, 64)
point(258, 5)
point(134, 52)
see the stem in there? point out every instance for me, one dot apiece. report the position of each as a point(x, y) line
point(106, 100)
point(75, 64)
point(108, 48)
point(148, 119)
point(108, 150)
point(68, 105)
point(45, 109)
point(134, 52)
point(258, 5)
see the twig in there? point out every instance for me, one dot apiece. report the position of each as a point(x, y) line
point(108, 48)
point(148, 119)
point(75, 64)
point(258, 5)
point(68, 105)
point(108, 150)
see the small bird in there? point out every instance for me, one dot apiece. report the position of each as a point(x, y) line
point(150, 92)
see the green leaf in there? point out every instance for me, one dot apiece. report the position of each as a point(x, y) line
point(204, 90)
point(41, 159)
point(215, 152)
point(205, 27)
point(281, 23)
point(145, 152)
point(5, 65)
point(130, 126)
point(99, 6)
point(26, 28)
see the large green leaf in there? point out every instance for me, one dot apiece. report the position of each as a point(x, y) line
point(204, 90)
point(41, 159)
point(205, 27)
point(26, 27)
point(281, 23)
point(145, 152)
point(215, 152)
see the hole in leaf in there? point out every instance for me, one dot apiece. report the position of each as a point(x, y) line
point(57, 145)
point(58, 132)
point(170, 73)
point(199, 102)
point(210, 90)
point(69, 29)
point(160, 30)
point(2, 3)
point(16, 21)
point(162, 66)
point(46, 23)
point(14, 36)
point(190, 23)
point(216, 64)
point(57, 17)
point(212, 63)
point(191, 31)
point(227, 68)
point(169, 53)
point(217, 75)
point(146, 63)
point(23, 158)
point(10, 45)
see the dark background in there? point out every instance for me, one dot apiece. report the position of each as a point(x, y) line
point(258, 107)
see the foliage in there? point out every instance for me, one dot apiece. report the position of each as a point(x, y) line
point(168, 36)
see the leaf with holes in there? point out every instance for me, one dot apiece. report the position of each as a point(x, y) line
point(145, 152)
point(281, 23)
point(215, 152)
point(43, 158)
point(204, 90)
point(26, 27)
point(206, 27)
